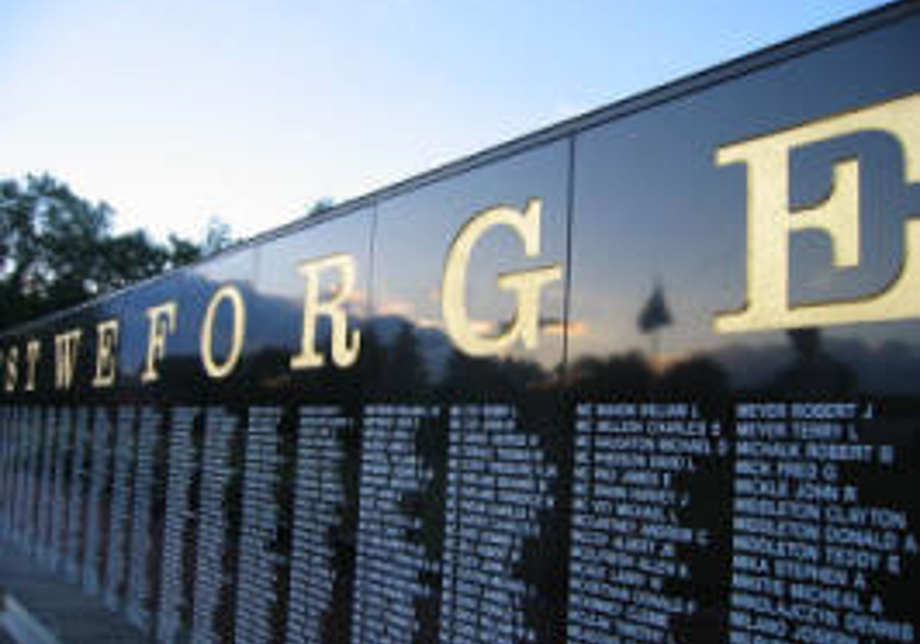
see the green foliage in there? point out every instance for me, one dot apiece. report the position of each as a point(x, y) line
point(320, 206)
point(183, 251)
point(58, 249)
point(217, 237)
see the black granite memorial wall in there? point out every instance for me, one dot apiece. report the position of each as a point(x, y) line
point(648, 376)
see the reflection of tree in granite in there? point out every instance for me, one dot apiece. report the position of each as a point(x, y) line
point(267, 378)
point(698, 379)
point(621, 375)
point(890, 368)
point(329, 383)
point(813, 372)
point(396, 364)
point(425, 356)
point(404, 374)
point(468, 375)
point(367, 372)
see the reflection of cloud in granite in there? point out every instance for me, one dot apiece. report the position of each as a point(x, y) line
point(663, 361)
point(548, 326)
point(402, 342)
point(574, 329)
point(327, 293)
point(396, 308)
point(428, 323)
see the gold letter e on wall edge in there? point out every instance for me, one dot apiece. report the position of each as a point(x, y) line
point(770, 223)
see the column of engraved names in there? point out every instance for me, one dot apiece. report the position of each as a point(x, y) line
point(36, 456)
point(319, 525)
point(5, 470)
point(116, 570)
point(498, 488)
point(21, 486)
point(22, 475)
point(36, 429)
point(59, 505)
point(100, 470)
point(15, 439)
point(27, 501)
point(30, 487)
point(257, 590)
point(633, 536)
point(813, 560)
point(395, 572)
point(77, 495)
point(139, 591)
point(180, 473)
point(46, 488)
point(209, 623)
point(26, 488)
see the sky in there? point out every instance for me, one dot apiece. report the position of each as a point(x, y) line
point(178, 111)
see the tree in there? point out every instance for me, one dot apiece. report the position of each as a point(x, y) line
point(133, 257)
point(182, 251)
point(58, 249)
point(319, 206)
point(217, 237)
point(50, 243)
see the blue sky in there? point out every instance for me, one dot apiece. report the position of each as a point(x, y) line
point(174, 111)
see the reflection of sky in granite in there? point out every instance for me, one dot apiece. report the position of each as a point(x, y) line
point(277, 274)
point(652, 207)
point(647, 187)
point(281, 288)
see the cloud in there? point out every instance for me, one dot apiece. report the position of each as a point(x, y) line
point(399, 308)
point(575, 328)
